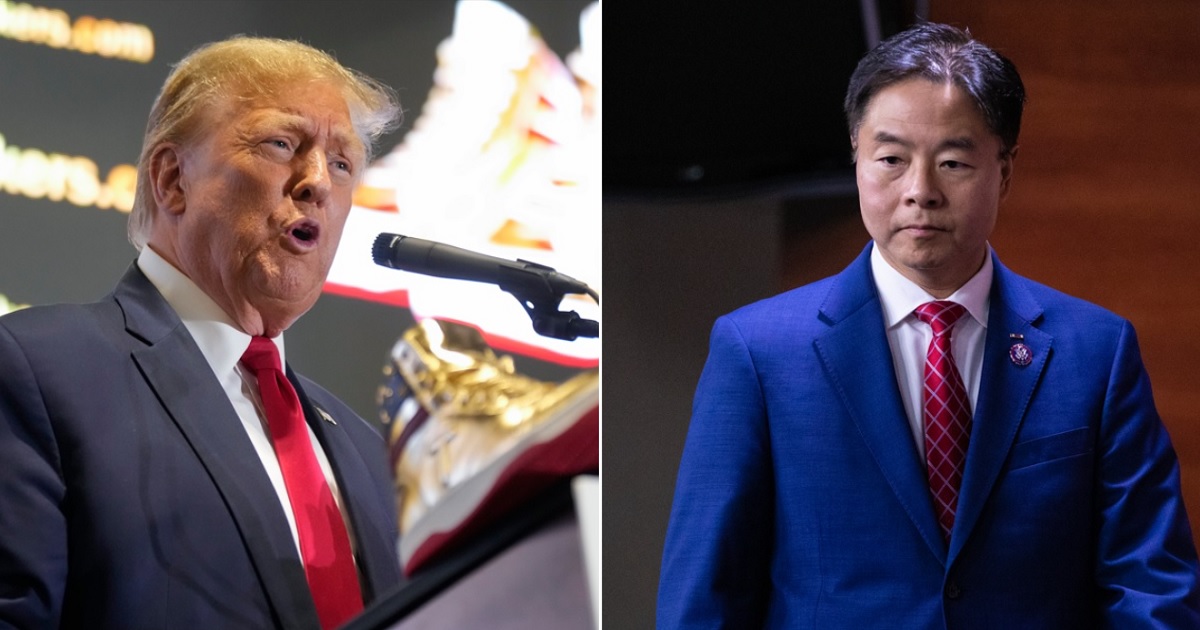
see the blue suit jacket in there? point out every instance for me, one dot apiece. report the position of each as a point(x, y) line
point(801, 500)
point(130, 495)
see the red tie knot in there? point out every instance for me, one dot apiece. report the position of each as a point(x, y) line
point(940, 315)
point(261, 355)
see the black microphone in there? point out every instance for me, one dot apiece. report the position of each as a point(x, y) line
point(527, 280)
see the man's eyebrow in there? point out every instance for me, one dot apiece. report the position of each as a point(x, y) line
point(280, 119)
point(883, 137)
point(289, 121)
point(962, 142)
point(965, 143)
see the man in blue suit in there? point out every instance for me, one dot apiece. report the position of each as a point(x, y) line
point(152, 473)
point(852, 465)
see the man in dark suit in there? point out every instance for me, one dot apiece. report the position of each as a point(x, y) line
point(160, 468)
point(927, 440)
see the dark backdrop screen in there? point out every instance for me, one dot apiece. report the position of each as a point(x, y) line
point(729, 97)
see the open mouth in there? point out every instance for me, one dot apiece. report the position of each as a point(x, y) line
point(304, 233)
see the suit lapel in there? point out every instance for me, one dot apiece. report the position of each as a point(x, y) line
point(375, 545)
point(1004, 394)
point(200, 409)
point(858, 360)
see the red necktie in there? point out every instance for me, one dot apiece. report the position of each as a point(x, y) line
point(947, 413)
point(324, 544)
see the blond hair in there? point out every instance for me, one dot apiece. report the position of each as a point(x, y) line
point(247, 68)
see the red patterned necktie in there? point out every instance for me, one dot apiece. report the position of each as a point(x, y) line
point(947, 413)
point(324, 543)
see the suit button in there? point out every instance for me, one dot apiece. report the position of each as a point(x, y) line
point(952, 591)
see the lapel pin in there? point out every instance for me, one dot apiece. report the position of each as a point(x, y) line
point(1019, 353)
point(324, 414)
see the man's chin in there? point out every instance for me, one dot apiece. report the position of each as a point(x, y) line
point(285, 303)
point(916, 258)
point(927, 263)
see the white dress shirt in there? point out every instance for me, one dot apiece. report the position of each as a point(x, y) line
point(909, 337)
point(222, 343)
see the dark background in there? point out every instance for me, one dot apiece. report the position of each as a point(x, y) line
point(62, 101)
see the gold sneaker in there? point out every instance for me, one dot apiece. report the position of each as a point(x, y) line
point(471, 439)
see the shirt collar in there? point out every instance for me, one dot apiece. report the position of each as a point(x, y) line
point(901, 296)
point(219, 338)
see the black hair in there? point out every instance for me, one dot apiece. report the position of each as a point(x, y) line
point(942, 54)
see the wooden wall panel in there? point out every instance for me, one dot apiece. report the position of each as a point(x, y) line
point(1106, 197)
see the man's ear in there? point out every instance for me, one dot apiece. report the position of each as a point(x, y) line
point(1006, 169)
point(166, 178)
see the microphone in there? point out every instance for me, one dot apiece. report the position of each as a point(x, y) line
point(527, 280)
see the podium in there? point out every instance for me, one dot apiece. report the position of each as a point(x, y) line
point(527, 571)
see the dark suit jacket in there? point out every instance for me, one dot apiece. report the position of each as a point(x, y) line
point(130, 495)
point(802, 502)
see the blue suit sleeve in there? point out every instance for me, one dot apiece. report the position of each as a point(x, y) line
point(1146, 564)
point(715, 561)
point(33, 535)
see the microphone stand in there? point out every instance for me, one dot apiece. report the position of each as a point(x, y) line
point(540, 289)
